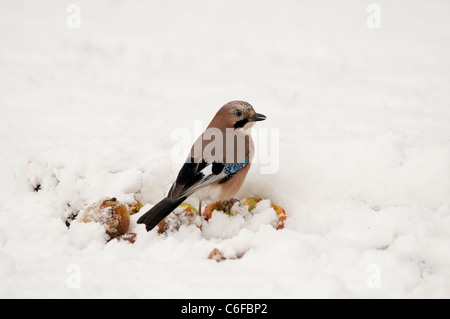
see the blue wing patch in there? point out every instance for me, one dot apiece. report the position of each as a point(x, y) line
point(234, 168)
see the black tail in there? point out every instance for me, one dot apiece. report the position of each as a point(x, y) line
point(159, 212)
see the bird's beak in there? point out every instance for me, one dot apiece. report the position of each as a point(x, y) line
point(257, 117)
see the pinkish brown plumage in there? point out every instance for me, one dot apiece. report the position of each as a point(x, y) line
point(217, 163)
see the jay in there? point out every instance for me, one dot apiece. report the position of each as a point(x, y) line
point(217, 164)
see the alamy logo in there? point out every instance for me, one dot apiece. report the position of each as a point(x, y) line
point(374, 19)
point(74, 18)
point(228, 147)
point(74, 279)
point(374, 277)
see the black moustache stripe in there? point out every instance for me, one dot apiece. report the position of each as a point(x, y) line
point(240, 123)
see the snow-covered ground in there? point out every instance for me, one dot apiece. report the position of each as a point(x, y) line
point(364, 145)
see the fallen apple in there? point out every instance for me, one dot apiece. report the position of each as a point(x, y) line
point(111, 213)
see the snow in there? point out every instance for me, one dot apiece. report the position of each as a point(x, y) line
point(364, 146)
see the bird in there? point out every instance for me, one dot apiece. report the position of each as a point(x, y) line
point(217, 164)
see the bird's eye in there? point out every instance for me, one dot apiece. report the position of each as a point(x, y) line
point(238, 113)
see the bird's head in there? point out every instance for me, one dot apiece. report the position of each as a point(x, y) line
point(237, 114)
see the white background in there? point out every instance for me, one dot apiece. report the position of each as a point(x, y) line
point(364, 155)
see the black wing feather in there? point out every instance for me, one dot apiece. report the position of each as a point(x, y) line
point(190, 174)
